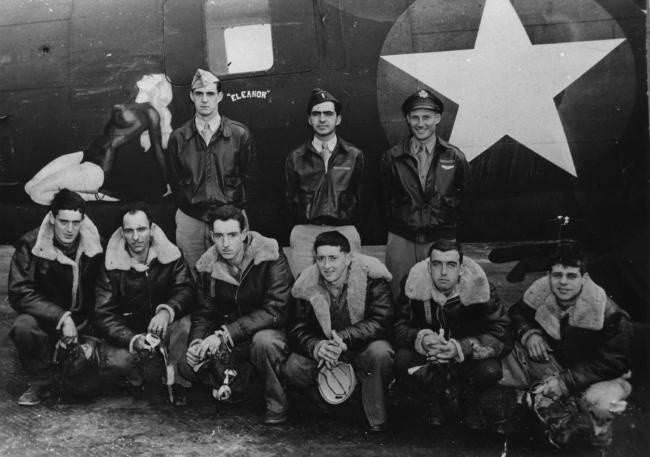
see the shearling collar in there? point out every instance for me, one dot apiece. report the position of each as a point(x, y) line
point(258, 249)
point(89, 243)
point(307, 287)
point(473, 286)
point(588, 312)
point(118, 257)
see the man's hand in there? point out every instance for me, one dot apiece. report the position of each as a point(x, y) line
point(328, 352)
point(537, 348)
point(339, 342)
point(159, 323)
point(442, 352)
point(209, 346)
point(192, 356)
point(68, 330)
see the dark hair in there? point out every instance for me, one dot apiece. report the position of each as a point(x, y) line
point(447, 245)
point(569, 254)
point(132, 208)
point(332, 238)
point(226, 213)
point(66, 199)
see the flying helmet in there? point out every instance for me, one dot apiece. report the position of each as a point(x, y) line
point(336, 384)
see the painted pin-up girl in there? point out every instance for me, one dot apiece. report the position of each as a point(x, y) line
point(84, 172)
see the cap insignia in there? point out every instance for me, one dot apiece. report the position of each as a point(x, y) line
point(423, 94)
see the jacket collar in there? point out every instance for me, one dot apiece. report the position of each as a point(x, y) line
point(473, 286)
point(341, 145)
point(258, 249)
point(161, 249)
point(362, 267)
point(405, 147)
point(189, 128)
point(588, 312)
point(89, 243)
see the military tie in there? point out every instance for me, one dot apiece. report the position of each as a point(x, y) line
point(206, 133)
point(325, 153)
point(422, 164)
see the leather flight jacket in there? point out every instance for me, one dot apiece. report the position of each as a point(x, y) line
point(316, 196)
point(205, 177)
point(423, 214)
point(591, 341)
point(127, 297)
point(256, 300)
point(41, 281)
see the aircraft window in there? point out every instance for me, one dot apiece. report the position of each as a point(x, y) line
point(274, 36)
point(249, 48)
point(238, 36)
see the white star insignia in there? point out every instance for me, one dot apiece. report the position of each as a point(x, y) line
point(506, 85)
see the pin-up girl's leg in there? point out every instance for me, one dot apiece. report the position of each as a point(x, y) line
point(55, 166)
point(84, 178)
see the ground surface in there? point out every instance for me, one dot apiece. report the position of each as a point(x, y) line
point(116, 425)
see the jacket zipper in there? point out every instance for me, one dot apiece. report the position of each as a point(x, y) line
point(241, 280)
point(146, 282)
point(440, 315)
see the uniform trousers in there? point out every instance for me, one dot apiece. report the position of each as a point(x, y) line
point(373, 367)
point(267, 351)
point(35, 344)
point(473, 376)
point(401, 255)
point(120, 361)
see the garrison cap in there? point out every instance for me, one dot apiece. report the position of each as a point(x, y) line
point(203, 78)
point(321, 96)
point(422, 99)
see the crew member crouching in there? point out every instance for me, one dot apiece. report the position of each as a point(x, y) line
point(145, 287)
point(573, 347)
point(344, 310)
point(451, 330)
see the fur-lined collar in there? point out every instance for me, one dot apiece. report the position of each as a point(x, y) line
point(473, 286)
point(258, 249)
point(307, 287)
point(118, 257)
point(588, 311)
point(89, 242)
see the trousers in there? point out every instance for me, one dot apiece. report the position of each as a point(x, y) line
point(120, 361)
point(475, 375)
point(267, 350)
point(35, 345)
point(192, 238)
point(373, 367)
point(401, 255)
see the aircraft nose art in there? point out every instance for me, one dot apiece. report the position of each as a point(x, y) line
point(557, 78)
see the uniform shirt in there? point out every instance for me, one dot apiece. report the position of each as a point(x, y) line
point(339, 314)
point(424, 159)
point(212, 123)
point(318, 146)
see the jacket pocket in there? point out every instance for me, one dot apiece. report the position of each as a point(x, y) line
point(340, 177)
point(303, 201)
point(347, 205)
point(449, 210)
point(233, 188)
